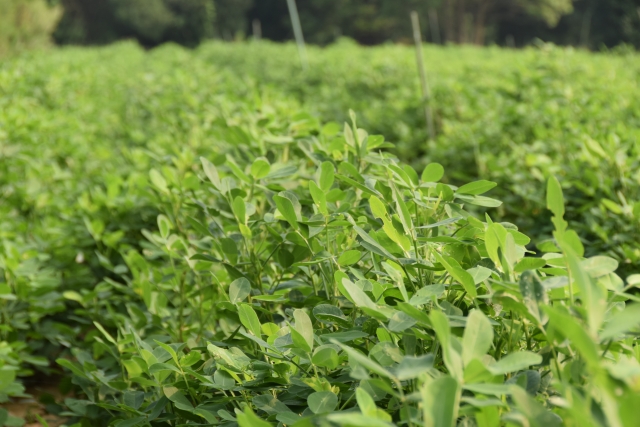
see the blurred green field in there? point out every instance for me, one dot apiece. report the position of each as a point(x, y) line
point(100, 151)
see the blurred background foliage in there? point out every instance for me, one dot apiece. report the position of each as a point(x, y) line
point(26, 24)
point(592, 24)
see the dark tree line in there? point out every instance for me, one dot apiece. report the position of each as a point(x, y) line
point(590, 23)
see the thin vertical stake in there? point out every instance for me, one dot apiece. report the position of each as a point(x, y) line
point(297, 32)
point(426, 96)
point(257, 29)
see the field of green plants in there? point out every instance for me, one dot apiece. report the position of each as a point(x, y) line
point(215, 237)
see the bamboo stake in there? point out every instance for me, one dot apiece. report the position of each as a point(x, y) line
point(297, 32)
point(426, 96)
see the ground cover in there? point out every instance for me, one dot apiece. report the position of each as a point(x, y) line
point(513, 117)
point(186, 241)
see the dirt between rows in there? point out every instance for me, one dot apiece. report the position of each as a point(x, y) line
point(28, 408)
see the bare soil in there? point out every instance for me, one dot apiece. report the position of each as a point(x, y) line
point(28, 408)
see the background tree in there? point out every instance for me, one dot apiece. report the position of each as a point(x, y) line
point(469, 21)
point(26, 24)
point(231, 18)
point(151, 22)
point(590, 23)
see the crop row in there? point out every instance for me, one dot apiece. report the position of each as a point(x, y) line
point(191, 245)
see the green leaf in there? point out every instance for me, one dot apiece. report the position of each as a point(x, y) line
point(249, 419)
point(555, 200)
point(354, 419)
point(490, 389)
point(433, 172)
point(440, 402)
point(345, 336)
point(533, 294)
point(158, 180)
point(570, 238)
point(164, 225)
point(460, 275)
point(131, 422)
point(178, 399)
point(396, 276)
point(412, 367)
point(366, 403)
point(106, 334)
point(269, 404)
point(476, 188)
point(199, 227)
point(360, 359)
point(477, 338)
point(349, 257)
point(536, 414)
point(260, 168)
point(327, 313)
point(355, 184)
point(371, 244)
point(223, 379)
point(621, 322)
point(400, 322)
point(355, 294)
point(401, 173)
point(599, 266)
point(377, 208)
point(239, 289)
point(403, 212)
point(211, 172)
point(239, 210)
point(326, 357)
point(6, 379)
point(486, 202)
point(77, 370)
point(304, 326)
point(249, 319)
point(159, 367)
point(287, 210)
point(529, 264)
point(319, 197)
point(479, 274)
point(567, 326)
point(443, 222)
point(495, 238)
point(209, 416)
point(593, 296)
point(452, 359)
point(327, 172)
point(322, 402)
point(73, 296)
point(513, 362)
point(237, 171)
point(288, 418)
point(169, 350)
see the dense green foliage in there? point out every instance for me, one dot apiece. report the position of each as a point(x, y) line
point(208, 246)
point(513, 118)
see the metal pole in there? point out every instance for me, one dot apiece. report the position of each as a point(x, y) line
point(426, 96)
point(297, 32)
